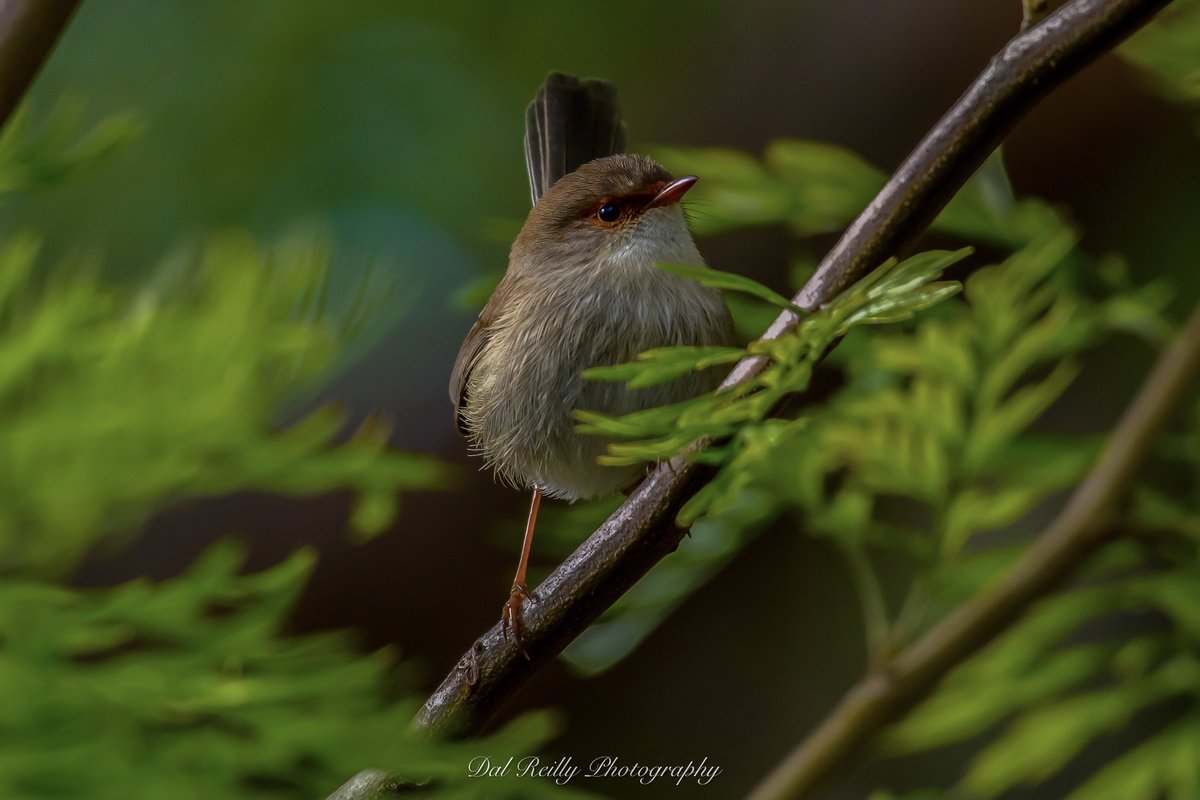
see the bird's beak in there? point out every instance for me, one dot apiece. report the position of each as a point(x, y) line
point(672, 193)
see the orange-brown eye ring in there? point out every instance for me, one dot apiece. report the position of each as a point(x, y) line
point(609, 212)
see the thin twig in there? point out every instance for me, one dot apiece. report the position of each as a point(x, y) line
point(886, 693)
point(28, 31)
point(642, 530)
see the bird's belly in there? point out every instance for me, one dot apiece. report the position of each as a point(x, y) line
point(528, 382)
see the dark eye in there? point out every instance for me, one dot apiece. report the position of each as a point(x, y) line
point(608, 213)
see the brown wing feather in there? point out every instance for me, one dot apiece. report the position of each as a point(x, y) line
point(476, 341)
point(472, 346)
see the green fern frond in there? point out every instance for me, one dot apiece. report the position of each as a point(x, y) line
point(174, 389)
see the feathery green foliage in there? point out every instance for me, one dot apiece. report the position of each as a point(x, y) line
point(814, 187)
point(890, 294)
point(1166, 51)
point(185, 689)
point(1119, 651)
point(1060, 681)
point(35, 160)
point(174, 390)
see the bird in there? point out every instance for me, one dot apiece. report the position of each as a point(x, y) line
point(581, 290)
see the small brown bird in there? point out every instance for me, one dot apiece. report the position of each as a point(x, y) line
point(581, 291)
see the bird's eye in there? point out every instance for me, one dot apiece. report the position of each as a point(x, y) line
point(608, 213)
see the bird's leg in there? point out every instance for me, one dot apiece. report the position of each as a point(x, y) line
point(510, 614)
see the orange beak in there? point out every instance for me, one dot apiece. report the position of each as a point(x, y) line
point(672, 193)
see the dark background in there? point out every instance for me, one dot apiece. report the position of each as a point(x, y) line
point(399, 126)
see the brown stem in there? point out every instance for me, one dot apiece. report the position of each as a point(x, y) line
point(642, 530)
point(28, 31)
point(884, 694)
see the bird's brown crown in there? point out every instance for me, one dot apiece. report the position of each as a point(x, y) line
point(625, 180)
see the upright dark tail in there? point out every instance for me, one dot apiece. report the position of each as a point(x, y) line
point(569, 123)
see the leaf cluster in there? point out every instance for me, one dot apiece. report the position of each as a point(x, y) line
point(34, 160)
point(1109, 666)
point(116, 402)
point(1166, 52)
point(891, 293)
point(1121, 647)
point(816, 187)
point(186, 689)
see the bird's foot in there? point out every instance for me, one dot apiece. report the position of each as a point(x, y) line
point(510, 614)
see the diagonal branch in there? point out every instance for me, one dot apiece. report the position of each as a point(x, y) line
point(28, 31)
point(642, 531)
point(886, 693)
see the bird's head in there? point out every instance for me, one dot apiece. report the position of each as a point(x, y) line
point(620, 209)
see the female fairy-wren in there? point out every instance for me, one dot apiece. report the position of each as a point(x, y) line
point(581, 291)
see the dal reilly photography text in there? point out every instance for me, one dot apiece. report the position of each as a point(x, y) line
point(564, 769)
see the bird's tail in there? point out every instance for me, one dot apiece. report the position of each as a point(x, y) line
point(569, 123)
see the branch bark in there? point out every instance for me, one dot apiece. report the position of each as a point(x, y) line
point(642, 530)
point(887, 692)
point(28, 31)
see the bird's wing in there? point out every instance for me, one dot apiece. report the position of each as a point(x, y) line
point(569, 123)
point(468, 354)
point(476, 341)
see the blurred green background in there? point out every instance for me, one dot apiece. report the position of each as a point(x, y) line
point(398, 127)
